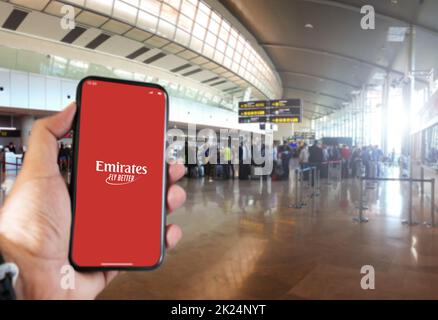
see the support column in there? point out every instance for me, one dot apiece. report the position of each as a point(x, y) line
point(409, 94)
point(384, 115)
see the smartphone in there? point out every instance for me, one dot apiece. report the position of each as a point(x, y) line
point(118, 179)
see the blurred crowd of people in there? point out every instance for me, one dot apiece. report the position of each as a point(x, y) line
point(64, 157)
point(371, 158)
point(229, 163)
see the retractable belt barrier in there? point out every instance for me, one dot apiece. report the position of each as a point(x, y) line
point(16, 165)
point(330, 166)
point(361, 218)
point(314, 183)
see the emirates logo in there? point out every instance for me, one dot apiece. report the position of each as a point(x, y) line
point(118, 174)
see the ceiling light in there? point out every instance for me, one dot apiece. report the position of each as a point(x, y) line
point(308, 26)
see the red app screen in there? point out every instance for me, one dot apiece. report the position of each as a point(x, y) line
point(118, 214)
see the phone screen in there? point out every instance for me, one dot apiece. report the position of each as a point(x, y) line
point(118, 179)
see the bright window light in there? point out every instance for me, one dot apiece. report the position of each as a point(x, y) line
point(185, 23)
point(182, 37)
point(188, 9)
point(169, 14)
point(220, 45)
point(125, 12)
point(103, 6)
point(190, 23)
point(230, 52)
point(202, 18)
point(204, 8)
point(196, 44)
point(218, 57)
point(174, 3)
point(208, 51)
point(199, 32)
point(147, 21)
point(166, 29)
point(133, 3)
point(151, 6)
point(213, 27)
point(211, 39)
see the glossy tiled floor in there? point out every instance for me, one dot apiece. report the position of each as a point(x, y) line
point(243, 241)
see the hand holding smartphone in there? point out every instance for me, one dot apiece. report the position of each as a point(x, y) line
point(118, 183)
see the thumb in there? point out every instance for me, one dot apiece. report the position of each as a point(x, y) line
point(41, 159)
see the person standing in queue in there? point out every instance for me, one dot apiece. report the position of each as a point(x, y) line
point(227, 157)
point(304, 159)
point(346, 155)
point(209, 167)
point(316, 157)
point(11, 147)
point(286, 154)
point(62, 157)
point(244, 162)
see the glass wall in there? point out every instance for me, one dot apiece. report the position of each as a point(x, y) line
point(431, 146)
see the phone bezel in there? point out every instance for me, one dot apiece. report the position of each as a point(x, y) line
point(72, 187)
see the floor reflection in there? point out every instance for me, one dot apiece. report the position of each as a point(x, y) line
point(245, 240)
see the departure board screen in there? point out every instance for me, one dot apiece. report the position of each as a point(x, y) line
point(274, 111)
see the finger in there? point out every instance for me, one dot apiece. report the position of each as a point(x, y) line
point(173, 235)
point(176, 196)
point(176, 172)
point(43, 148)
point(59, 124)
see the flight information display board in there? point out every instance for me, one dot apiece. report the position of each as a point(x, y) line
point(274, 111)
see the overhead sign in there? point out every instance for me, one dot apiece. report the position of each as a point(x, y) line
point(10, 133)
point(274, 111)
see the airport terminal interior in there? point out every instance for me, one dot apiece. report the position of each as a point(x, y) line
point(346, 91)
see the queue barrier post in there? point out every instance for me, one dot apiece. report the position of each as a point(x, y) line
point(316, 181)
point(302, 203)
point(410, 221)
point(361, 218)
point(297, 191)
point(328, 183)
point(312, 184)
point(340, 167)
point(422, 185)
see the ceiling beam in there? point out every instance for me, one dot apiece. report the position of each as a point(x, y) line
point(321, 78)
point(317, 93)
point(387, 17)
point(336, 55)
